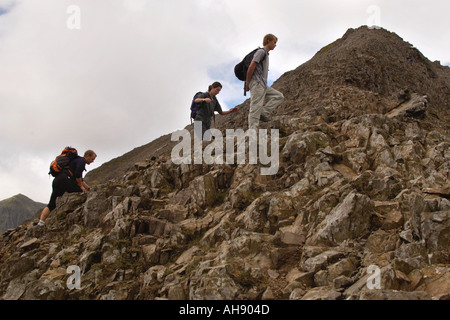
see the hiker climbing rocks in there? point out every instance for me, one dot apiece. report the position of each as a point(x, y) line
point(208, 104)
point(68, 180)
point(256, 82)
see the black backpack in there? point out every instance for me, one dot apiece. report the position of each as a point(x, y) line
point(61, 163)
point(240, 70)
point(194, 106)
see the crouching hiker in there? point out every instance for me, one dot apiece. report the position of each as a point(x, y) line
point(207, 105)
point(69, 180)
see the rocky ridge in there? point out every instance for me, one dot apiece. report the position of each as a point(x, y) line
point(359, 208)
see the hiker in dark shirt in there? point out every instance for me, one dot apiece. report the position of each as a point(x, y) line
point(208, 104)
point(68, 181)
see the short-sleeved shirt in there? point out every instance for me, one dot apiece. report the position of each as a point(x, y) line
point(261, 72)
point(206, 110)
point(77, 167)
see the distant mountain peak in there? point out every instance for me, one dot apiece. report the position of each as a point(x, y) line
point(17, 209)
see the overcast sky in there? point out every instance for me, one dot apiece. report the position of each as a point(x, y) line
point(112, 75)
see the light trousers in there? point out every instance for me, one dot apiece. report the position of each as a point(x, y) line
point(257, 107)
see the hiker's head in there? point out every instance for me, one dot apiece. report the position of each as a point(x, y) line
point(270, 40)
point(215, 88)
point(89, 156)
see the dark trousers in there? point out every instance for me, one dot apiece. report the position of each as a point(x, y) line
point(62, 183)
point(201, 135)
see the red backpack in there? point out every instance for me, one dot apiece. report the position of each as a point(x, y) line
point(61, 163)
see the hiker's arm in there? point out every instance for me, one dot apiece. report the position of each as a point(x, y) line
point(85, 185)
point(250, 71)
point(80, 184)
point(199, 100)
point(235, 109)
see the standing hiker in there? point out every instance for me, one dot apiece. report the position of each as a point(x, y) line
point(256, 83)
point(208, 104)
point(70, 180)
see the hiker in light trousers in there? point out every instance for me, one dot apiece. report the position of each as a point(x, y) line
point(256, 83)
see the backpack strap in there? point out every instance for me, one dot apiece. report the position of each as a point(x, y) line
point(253, 54)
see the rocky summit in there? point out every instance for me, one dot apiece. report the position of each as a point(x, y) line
point(358, 209)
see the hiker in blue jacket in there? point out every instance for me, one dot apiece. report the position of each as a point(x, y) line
point(68, 181)
point(208, 104)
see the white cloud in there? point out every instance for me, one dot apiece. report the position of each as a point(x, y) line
point(127, 75)
point(23, 173)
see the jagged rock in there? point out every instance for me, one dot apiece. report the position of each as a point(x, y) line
point(394, 295)
point(151, 253)
point(70, 201)
point(322, 293)
point(173, 213)
point(16, 266)
point(45, 289)
point(30, 244)
point(154, 274)
point(187, 255)
point(176, 292)
point(297, 294)
point(344, 267)
point(202, 191)
point(416, 106)
point(381, 241)
point(268, 295)
point(216, 234)
point(293, 235)
point(410, 256)
point(304, 279)
point(435, 229)
point(300, 145)
point(94, 207)
point(349, 220)
point(242, 194)
point(322, 260)
point(438, 283)
point(341, 282)
point(212, 283)
point(255, 215)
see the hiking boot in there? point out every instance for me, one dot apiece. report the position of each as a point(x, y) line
point(263, 118)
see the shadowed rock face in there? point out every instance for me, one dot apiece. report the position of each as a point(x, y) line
point(358, 209)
